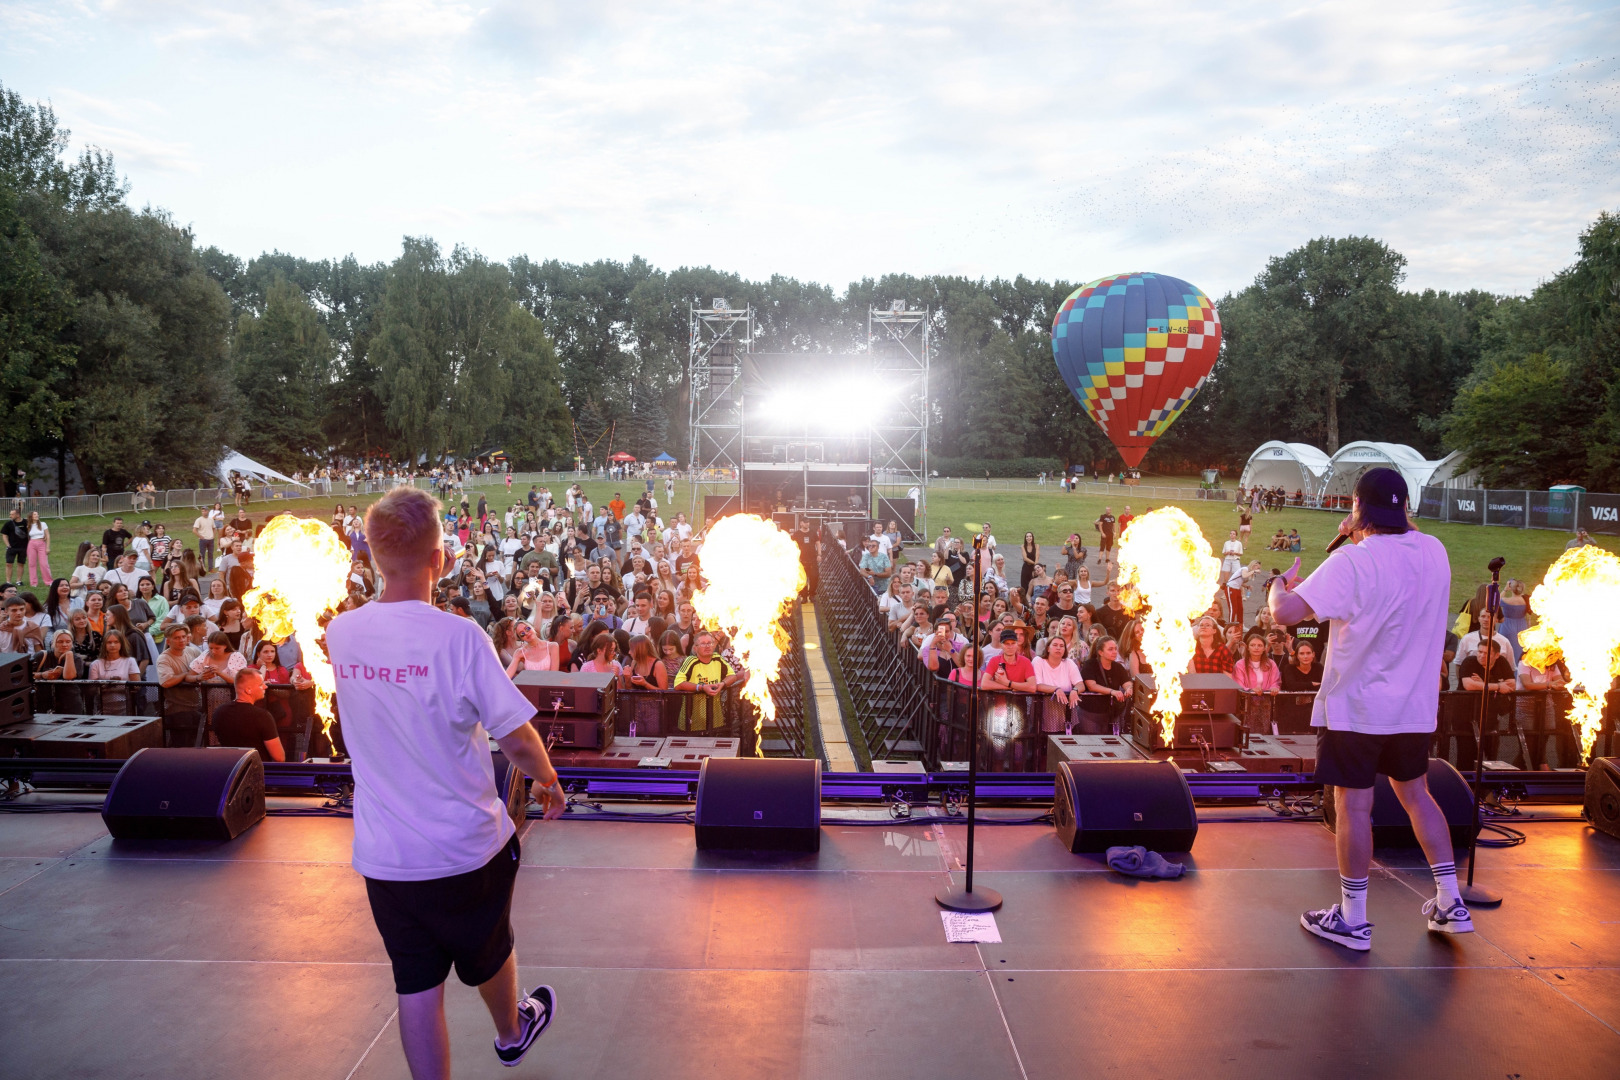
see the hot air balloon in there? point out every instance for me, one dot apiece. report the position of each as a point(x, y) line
point(1135, 349)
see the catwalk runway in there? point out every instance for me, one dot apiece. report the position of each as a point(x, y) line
point(258, 959)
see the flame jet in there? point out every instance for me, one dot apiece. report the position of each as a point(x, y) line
point(300, 576)
point(753, 573)
point(1579, 607)
point(1167, 577)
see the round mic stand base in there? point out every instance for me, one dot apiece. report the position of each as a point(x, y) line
point(980, 899)
point(1479, 896)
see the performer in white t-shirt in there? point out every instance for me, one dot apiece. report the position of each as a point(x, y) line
point(1384, 598)
point(418, 689)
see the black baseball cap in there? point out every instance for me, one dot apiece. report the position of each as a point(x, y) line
point(1009, 635)
point(1382, 496)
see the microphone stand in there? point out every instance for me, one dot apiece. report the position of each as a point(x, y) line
point(1471, 893)
point(966, 899)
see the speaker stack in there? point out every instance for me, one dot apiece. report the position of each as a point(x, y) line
point(16, 689)
point(759, 804)
point(1602, 807)
point(1391, 827)
point(211, 793)
point(573, 709)
point(1099, 804)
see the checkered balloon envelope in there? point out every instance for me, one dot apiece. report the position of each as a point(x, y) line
point(1135, 349)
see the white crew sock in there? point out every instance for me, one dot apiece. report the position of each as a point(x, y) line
point(1353, 893)
point(1445, 883)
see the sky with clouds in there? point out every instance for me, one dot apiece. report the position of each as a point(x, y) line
point(835, 141)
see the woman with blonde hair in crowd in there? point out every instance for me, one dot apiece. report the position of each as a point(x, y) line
point(532, 652)
point(643, 670)
point(215, 598)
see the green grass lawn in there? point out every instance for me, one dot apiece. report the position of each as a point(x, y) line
point(1050, 515)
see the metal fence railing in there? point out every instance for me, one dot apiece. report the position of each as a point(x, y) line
point(135, 502)
point(1564, 511)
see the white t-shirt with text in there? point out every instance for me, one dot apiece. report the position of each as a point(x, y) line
point(1384, 600)
point(418, 688)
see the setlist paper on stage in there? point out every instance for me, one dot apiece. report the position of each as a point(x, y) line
point(971, 927)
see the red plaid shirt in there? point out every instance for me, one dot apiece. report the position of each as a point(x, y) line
point(1218, 662)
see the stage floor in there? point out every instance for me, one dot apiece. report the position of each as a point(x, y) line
point(258, 959)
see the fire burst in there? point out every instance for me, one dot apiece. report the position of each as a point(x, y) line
point(1579, 605)
point(753, 574)
point(300, 574)
point(1167, 576)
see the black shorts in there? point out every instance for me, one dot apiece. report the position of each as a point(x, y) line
point(16, 555)
point(464, 920)
point(1352, 759)
point(1105, 544)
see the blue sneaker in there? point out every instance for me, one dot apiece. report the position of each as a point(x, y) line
point(534, 1015)
point(1330, 924)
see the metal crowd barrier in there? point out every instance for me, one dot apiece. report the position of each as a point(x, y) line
point(890, 700)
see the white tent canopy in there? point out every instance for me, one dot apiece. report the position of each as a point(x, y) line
point(1355, 458)
point(233, 462)
point(1291, 466)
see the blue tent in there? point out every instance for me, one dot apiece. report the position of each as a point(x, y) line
point(663, 457)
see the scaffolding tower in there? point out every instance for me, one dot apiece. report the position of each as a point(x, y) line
point(720, 336)
point(900, 340)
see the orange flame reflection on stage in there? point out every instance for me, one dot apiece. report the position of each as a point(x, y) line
point(753, 573)
point(1167, 577)
point(300, 575)
point(1578, 603)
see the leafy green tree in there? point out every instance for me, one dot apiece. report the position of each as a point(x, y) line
point(534, 425)
point(282, 360)
point(36, 365)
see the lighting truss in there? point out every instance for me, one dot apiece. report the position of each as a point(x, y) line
point(900, 340)
point(720, 336)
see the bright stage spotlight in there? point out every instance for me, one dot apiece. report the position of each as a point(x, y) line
point(847, 404)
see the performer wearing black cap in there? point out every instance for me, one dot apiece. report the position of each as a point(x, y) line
point(1385, 597)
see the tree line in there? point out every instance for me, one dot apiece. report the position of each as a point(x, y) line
point(141, 353)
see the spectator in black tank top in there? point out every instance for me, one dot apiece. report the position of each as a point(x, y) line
point(243, 722)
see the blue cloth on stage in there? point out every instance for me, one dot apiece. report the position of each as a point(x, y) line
point(1142, 863)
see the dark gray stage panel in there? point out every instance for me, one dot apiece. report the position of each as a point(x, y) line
point(1431, 1024)
point(258, 958)
point(168, 1020)
point(193, 909)
point(1209, 919)
point(740, 1025)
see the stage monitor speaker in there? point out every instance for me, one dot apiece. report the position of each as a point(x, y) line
point(1602, 807)
point(512, 787)
point(759, 804)
point(1100, 804)
point(211, 793)
point(1392, 828)
point(17, 707)
point(15, 674)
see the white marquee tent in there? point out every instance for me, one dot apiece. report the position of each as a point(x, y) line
point(233, 462)
point(1355, 458)
point(1291, 466)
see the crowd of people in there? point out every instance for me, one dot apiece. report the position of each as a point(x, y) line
point(557, 582)
point(1062, 631)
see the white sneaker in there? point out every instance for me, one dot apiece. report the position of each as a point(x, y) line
point(1329, 923)
point(1452, 920)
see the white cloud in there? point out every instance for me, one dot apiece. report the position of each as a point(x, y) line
point(842, 140)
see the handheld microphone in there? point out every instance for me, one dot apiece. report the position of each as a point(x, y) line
point(1334, 544)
